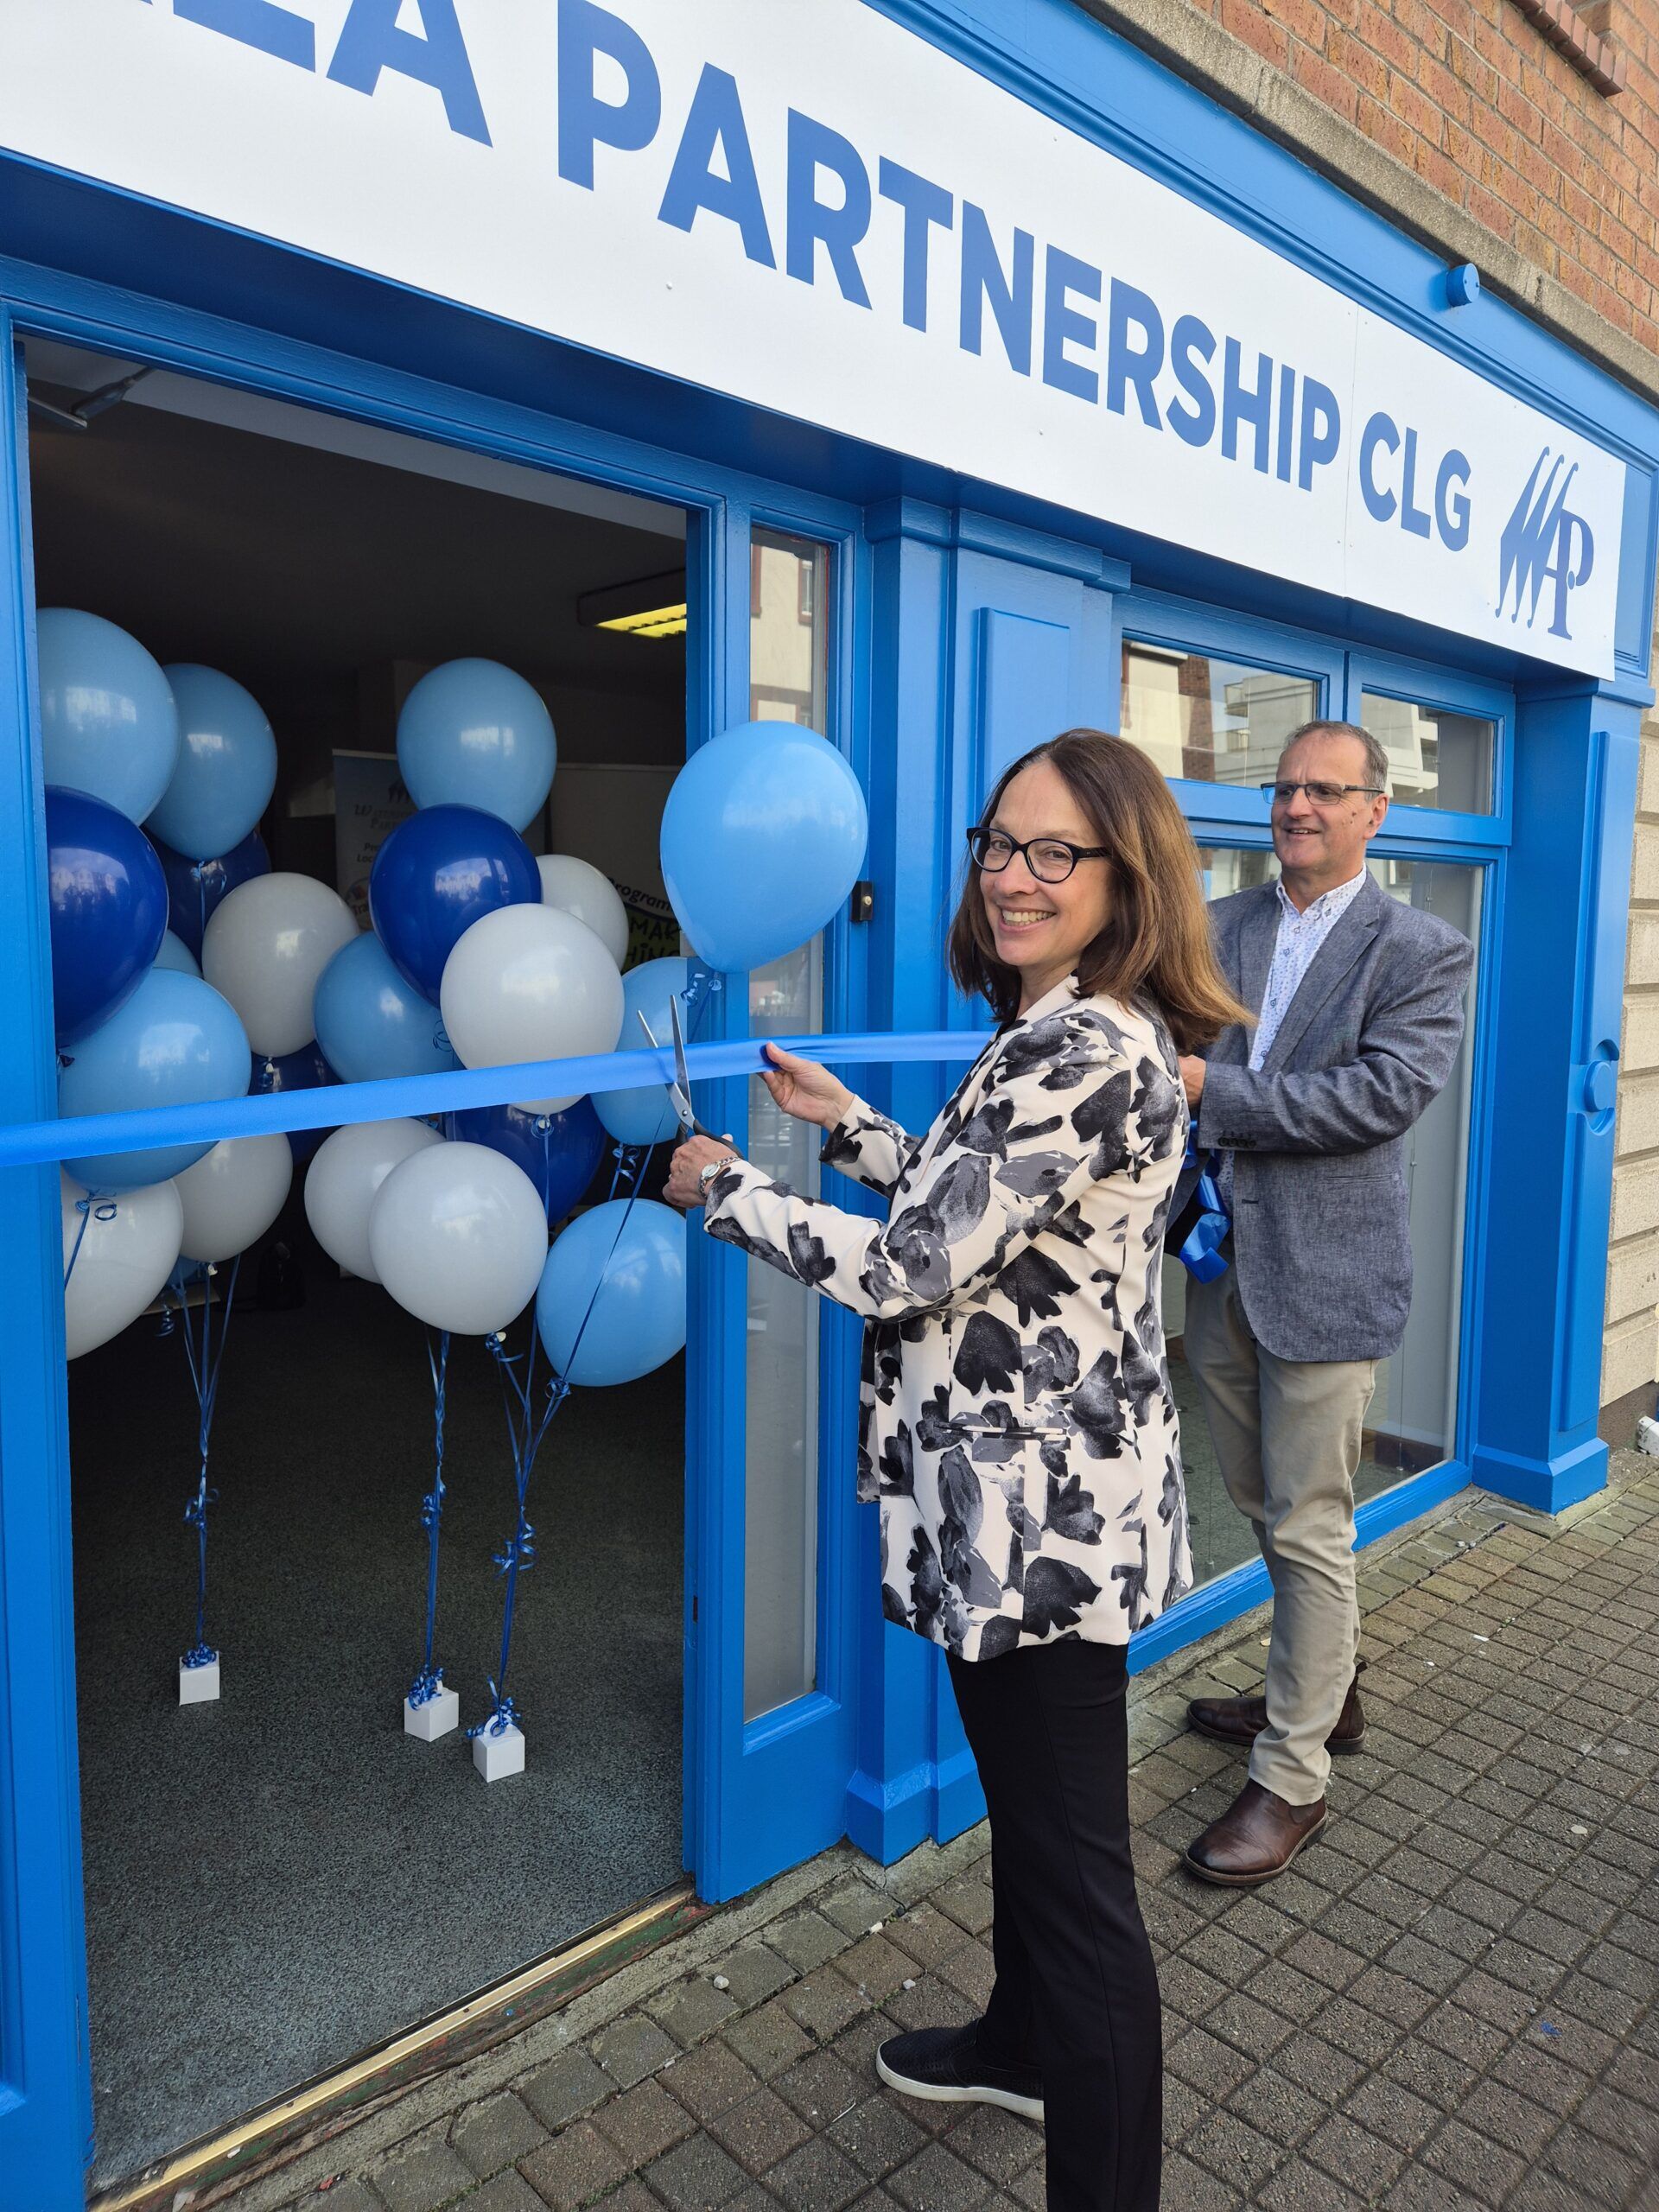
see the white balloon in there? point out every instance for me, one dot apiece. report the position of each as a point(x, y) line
point(232, 1195)
point(459, 1237)
point(128, 1248)
point(579, 888)
point(345, 1174)
point(530, 983)
point(264, 947)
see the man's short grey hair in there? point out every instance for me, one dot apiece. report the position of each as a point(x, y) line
point(1377, 757)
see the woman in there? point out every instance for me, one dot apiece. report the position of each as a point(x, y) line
point(1017, 1424)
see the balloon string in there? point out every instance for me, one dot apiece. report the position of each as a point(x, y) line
point(430, 1680)
point(527, 1430)
point(87, 1208)
point(204, 1358)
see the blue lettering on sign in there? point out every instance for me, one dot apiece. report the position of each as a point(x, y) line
point(1182, 374)
point(982, 279)
point(1321, 431)
point(715, 124)
point(1126, 365)
point(1189, 343)
point(1063, 326)
point(371, 42)
point(811, 221)
point(1544, 542)
point(259, 23)
point(1451, 511)
point(1242, 403)
point(587, 121)
point(924, 205)
point(1380, 502)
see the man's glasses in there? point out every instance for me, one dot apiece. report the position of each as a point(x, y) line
point(1320, 794)
point(1050, 860)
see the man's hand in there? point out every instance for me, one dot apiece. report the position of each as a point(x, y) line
point(1192, 1078)
point(683, 1189)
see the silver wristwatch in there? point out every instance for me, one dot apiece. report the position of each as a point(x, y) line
point(708, 1175)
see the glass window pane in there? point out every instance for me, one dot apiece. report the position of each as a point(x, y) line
point(1411, 1422)
point(1435, 759)
point(788, 677)
point(1216, 721)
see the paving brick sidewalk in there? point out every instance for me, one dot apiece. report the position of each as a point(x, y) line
point(1451, 2000)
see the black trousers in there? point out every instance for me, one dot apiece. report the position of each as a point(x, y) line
point(1077, 1993)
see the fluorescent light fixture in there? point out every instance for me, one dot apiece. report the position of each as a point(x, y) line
point(655, 606)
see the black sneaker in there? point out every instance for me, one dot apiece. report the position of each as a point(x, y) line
point(943, 2065)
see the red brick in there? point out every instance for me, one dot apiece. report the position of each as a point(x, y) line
point(1245, 20)
point(1325, 81)
point(1385, 130)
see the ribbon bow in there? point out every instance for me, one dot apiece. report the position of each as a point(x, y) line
point(1200, 1253)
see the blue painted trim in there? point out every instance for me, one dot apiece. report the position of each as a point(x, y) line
point(46, 2117)
point(1547, 1486)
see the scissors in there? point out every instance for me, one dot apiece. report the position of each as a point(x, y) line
point(679, 1092)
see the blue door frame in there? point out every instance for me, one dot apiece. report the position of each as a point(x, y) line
point(965, 617)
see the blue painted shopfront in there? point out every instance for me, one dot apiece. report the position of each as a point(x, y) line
point(967, 621)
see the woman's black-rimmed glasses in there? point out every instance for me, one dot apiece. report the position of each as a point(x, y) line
point(1050, 860)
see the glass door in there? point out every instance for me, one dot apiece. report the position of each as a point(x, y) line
point(789, 675)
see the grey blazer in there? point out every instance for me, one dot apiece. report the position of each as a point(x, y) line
point(1322, 1243)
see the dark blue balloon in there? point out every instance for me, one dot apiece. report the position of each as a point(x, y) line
point(195, 888)
point(305, 1069)
point(558, 1152)
point(439, 872)
point(108, 901)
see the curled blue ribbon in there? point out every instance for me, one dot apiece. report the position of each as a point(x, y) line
point(1201, 1254)
point(503, 1714)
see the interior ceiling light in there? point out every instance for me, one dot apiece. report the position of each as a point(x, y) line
point(655, 606)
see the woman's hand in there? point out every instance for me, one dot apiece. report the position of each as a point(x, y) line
point(682, 1188)
point(803, 1088)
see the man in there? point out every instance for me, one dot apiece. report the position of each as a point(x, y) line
point(1361, 1014)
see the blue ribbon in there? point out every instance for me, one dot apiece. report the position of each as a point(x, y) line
point(1201, 1254)
point(428, 1678)
point(203, 1357)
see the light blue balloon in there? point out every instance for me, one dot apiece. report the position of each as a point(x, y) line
point(227, 764)
point(763, 838)
point(176, 955)
point(473, 733)
point(175, 1042)
point(646, 1116)
point(636, 1260)
point(109, 722)
point(371, 1023)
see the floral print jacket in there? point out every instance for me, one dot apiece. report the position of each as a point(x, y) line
point(1016, 1423)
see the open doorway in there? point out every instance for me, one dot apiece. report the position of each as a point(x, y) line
point(280, 1880)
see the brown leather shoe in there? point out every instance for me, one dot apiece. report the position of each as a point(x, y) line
point(1240, 1719)
point(1255, 1839)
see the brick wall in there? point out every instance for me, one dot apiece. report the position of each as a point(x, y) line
point(1471, 97)
point(1471, 128)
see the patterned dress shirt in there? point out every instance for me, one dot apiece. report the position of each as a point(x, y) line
point(1300, 936)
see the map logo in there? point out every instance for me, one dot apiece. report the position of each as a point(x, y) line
point(1545, 543)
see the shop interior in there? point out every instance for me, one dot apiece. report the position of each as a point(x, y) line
point(282, 1879)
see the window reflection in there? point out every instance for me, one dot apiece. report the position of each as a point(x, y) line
point(1411, 1422)
point(1210, 720)
point(1435, 758)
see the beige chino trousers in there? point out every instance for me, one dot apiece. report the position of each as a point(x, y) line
point(1286, 1433)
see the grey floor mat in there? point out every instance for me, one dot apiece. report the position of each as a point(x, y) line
point(282, 1879)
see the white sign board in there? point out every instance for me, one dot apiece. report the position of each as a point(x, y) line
point(800, 203)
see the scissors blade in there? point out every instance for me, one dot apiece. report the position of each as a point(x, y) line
point(682, 1072)
point(680, 1099)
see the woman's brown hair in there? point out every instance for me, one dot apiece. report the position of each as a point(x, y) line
point(1156, 941)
